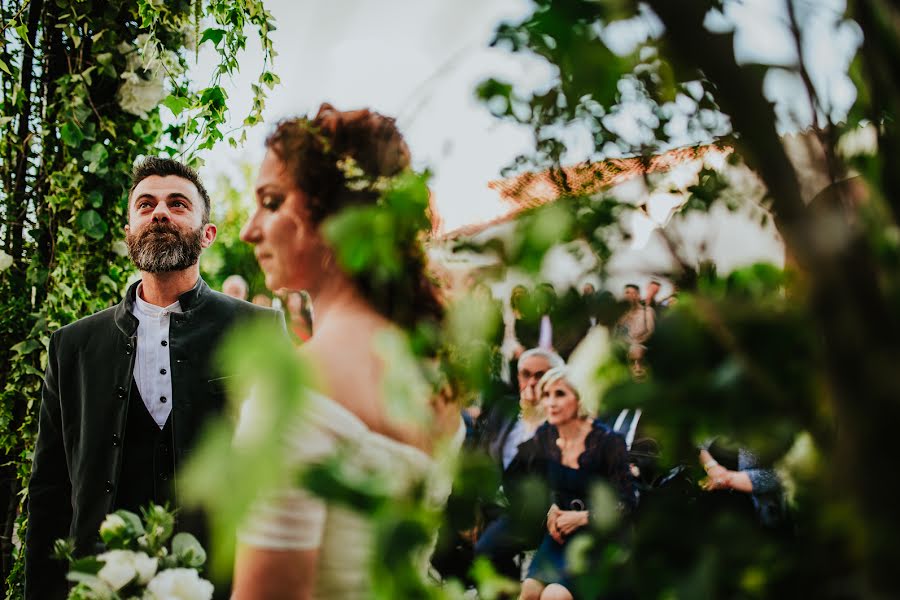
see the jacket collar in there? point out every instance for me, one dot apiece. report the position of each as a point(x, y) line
point(189, 300)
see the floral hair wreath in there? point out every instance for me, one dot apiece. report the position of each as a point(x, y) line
point(355, 177)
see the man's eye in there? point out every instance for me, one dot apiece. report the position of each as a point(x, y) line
point(179, 204)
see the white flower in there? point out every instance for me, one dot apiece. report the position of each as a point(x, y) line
point(123, 566)
point(140, 96)
point(859, 141)
point(120, 248)
point(113, 526)
point(189, 36)
point(179, 584)
point(6, 261)
point(131, 76)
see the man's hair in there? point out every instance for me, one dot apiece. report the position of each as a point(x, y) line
point(632, 285)
point(552, 357)
point(164, 167)
point(238, 280)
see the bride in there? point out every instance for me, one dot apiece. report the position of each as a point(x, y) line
point(298, 545)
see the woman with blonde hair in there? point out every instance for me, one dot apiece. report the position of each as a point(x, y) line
point(573, 452)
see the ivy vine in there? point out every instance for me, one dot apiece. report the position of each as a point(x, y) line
point(88, 88)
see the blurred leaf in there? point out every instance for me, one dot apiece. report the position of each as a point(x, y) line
point(188, 550)
point(92, 224)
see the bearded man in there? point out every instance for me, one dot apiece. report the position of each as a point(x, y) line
point(128, 389)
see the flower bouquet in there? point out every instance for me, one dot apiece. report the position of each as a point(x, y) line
point(137, 564)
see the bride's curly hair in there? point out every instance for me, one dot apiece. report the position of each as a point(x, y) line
point(314, 152)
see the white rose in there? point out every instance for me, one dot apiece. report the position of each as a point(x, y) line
point(6, 261)
point(170, 62)
point(179, 584)
point(141, 96)
point(130, 76)
point(189, 34)
point(145, 567)
point(121, 567)
point(113, 525)
point(860, 141)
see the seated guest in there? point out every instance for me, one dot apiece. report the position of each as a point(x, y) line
point(502, 427)
point(740, 470)
point(574, 452)
point(262, 300)
point(236, 287)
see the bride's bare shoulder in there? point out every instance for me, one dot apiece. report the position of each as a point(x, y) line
point(347, 367)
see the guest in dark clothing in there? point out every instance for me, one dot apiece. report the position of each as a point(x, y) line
point(501, 429)
point(574, 453)
point(740, 470)
point(128, 390)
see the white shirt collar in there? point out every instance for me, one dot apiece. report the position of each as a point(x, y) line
point(151, 310)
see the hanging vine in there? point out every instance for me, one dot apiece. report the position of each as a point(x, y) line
point(89, 87)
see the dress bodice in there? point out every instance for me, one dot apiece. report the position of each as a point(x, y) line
point(604, 458)
point(296, 519)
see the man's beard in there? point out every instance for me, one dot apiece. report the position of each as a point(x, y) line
point(162, 248)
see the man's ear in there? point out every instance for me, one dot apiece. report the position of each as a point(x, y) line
point(127, 229)
point(209, 235)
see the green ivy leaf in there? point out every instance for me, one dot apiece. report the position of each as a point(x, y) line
point(176, 104)
point(270, 79)
point(96, 158)
point(92, 224)
point(71, 134)
point(26, 347)
point(213, 35)
point(95, 198)
point(4, 68)
point(214, 96)
point(89, 565)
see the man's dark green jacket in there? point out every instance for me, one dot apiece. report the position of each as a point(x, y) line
point(81, 432)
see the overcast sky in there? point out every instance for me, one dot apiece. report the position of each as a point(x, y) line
point(417, 60)
point(420, 60)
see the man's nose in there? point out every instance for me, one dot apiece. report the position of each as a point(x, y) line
point(161, 213)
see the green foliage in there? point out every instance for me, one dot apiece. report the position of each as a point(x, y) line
point(268, 370)
point(136, 552)
point(231, 202)
point(372, 239)
point(82, 83)
point(760, 355)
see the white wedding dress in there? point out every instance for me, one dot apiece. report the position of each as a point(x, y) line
point(295, 519)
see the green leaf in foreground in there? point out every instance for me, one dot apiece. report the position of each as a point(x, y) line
point(226, 475)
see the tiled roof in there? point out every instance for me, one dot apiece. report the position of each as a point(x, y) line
point(530, 190)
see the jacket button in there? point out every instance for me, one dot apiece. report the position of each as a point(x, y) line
point(115, 439)
point(109, 487)
point(120, 392)
point(128, 348)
